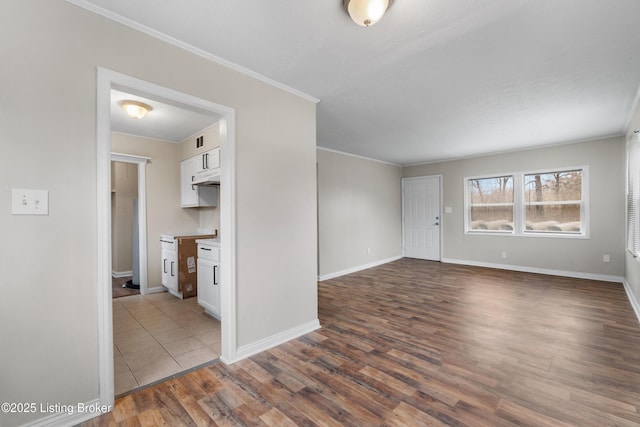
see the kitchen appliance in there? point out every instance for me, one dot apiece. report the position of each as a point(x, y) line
point(207, 177)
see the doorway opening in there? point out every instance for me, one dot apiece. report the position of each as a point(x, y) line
point(128, 224)
point(106, 81)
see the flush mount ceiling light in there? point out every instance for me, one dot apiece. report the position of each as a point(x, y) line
point(366, 12)
point(135, 109)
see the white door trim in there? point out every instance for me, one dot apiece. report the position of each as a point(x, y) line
point(142, 211)
point(415, 178)
point(105, 80)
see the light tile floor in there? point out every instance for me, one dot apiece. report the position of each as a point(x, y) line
point(158, 335)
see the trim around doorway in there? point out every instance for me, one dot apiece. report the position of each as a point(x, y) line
point(441, 209)
point(106, 80)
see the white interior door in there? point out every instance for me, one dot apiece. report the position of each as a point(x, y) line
point(421, 217)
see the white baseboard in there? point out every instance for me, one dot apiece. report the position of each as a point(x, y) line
point(272, 341)
point(563, 273)
point(155, 290)
point(632, 299)
point(118, 274)
point(73, 415)
point(358, 268)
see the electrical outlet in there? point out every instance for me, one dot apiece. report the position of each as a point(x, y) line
point(606, 258)
point(29, 202)
point(368, 251)
point(504, 254)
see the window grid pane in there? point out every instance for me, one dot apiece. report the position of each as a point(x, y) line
point(491, 204)
point(553, 202)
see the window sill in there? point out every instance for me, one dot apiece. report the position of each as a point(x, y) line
point(528, 234)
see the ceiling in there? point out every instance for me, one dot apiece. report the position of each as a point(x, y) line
point(434, 79)
point(166, 121)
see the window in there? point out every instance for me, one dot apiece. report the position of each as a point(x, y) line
point(553, 202)
point(541, 203)
point(633, 195)
point(491, 203)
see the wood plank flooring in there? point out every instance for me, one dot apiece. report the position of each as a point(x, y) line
point(419, 343)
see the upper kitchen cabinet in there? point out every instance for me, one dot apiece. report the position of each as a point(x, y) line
point(200, 155)
point(208, 161)
point(198, 144)
point(194, 196)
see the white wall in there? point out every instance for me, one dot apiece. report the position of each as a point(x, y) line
point(48, 310)
point(605, 159)
point(359, 208)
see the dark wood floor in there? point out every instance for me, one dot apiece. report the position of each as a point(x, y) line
point(418, 343)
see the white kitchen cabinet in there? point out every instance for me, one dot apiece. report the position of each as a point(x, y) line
point(193, 196)
point(209, 277)
point(169, 264)
point(208, 161)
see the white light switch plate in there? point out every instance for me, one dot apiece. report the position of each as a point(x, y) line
point(29, 202)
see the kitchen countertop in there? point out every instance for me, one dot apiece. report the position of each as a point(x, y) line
point(209, 242)
point(194, 235)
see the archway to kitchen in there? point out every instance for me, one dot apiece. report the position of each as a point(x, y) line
point(106, 81)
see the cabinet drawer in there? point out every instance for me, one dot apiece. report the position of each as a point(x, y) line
point(209, 252)
point(168, 244)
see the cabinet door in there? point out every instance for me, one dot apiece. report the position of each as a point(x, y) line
point(216, 291)
point(165, 268)
point(201, 162)
point(208, 291)
point(208, 160)
point(187, 175)
point(213, 158)
point(170, 269)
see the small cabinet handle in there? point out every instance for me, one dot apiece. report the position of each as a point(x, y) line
point(206, 249)
point(164, 265)
point(172, 262)
point(193, 187)
point(215, 278)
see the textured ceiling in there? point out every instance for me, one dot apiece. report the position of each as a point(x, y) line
point(434, 79)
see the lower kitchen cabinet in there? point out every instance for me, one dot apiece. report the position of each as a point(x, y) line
point(209, 276)
point(169, 264)
point(179, 265)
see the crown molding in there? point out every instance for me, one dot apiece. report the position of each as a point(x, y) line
point(84, 4)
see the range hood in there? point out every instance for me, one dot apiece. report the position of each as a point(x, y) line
point(207, 177)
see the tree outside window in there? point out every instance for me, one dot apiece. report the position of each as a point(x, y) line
point(553, 201)
point(491, 201)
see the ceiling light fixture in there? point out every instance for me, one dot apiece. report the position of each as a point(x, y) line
point(366, 12)
point(135, 109)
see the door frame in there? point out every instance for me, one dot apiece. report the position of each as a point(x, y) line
point(141, 162)
point(106, 80)
point(441, 199)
